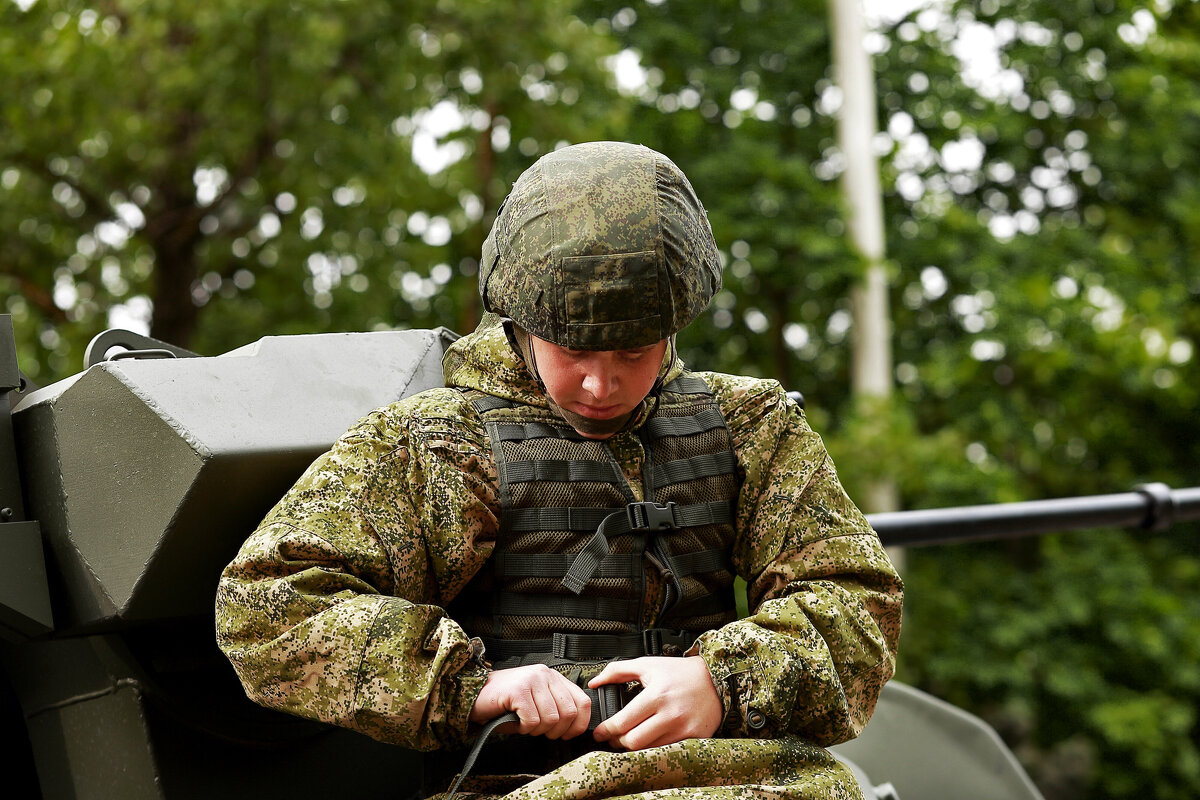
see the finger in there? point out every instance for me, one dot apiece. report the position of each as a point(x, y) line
point(568, 711)
point(574, 707)
point(583, 715)
point(547, 710)
point(525, 705)
point(669, 738)
point(618, 672)
point(655, 731)
point(582, 720)
point(635, 713)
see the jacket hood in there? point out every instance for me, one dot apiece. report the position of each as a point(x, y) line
point(483, 360)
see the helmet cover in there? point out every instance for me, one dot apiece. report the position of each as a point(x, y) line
point(601, 246)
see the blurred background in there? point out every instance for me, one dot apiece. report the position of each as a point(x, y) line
point(215, 172)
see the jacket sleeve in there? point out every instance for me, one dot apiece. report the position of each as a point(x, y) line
point(825, 600)
point(333, 608)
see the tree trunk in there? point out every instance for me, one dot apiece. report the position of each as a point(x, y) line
point(175, 313)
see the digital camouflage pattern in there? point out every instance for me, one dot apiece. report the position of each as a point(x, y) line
point(333, 608)
point(601, 246)
point(716, 769)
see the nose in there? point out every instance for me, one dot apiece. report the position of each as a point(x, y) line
point(600, 380)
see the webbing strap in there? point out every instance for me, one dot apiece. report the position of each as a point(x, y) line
point(687, 469)
point(557, 470)
point(701, 606)
point(583, 567)
point(644, 516)
point(685, 426)
point(488, 403)
point(568, 647)
point(516, 431)
point(687, 384)
point(533, 605)
point(480, 740)
point(555, 565)
point(701, 561)
point(556, 518)
point(607, 700)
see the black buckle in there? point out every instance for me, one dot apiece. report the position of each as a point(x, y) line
point(650, 516)
point(652, 642)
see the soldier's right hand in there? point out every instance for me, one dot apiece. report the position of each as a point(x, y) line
point(547, 703)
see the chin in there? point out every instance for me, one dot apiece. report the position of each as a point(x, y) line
point(596, 436)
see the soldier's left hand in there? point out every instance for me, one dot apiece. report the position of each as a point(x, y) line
point(678, 701)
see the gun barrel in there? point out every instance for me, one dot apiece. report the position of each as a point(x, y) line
point(1153, 506)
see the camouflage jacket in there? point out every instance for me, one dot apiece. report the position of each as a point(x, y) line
point(333, 608)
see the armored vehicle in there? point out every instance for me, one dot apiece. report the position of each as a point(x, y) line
point(125, 489)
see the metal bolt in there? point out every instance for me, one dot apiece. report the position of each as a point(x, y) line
point(6, 514)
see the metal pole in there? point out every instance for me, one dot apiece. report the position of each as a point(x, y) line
point(1153, 506)
point(871, 359)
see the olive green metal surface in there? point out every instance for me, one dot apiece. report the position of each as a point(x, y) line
point(146, 475)
point(930, 750)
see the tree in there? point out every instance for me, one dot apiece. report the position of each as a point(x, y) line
point(1042, 232)
point(1048, 316)
point(1041, 224)
point(160, 159)
point(748, 112)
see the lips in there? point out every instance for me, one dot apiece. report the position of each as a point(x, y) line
point(597, 412)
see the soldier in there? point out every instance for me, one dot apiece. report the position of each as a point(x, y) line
point(557, 533)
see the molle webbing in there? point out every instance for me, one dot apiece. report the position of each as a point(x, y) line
point(566, 648)
point(509, 603)
point(685, 426)
point(568, 575)
point(634, 517)
point(554, 565)
point(702, 466)
point(640, 517)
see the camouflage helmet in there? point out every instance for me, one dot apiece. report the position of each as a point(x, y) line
point(600, 246)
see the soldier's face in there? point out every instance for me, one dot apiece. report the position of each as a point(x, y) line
point(598, 384)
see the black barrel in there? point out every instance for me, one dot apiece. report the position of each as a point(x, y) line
point(1153, 506)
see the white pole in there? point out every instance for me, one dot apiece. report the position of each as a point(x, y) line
point(871, 369)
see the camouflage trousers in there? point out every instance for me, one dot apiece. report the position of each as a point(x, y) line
point(713, 769)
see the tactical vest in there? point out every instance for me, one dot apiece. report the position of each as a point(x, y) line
point(566, 583)
point(567, 580)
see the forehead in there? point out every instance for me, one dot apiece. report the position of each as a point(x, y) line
point(542, 343)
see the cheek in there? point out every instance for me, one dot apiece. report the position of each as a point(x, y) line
point(561, 382)
point(646, 377)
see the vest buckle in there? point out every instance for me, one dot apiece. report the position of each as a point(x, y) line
point(649, 515)
point(652, 641)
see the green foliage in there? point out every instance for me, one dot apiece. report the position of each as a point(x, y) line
point(1048, 316)
point(740, 107)
point(244, 168)
point(1088, 664)
point(249, 169)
